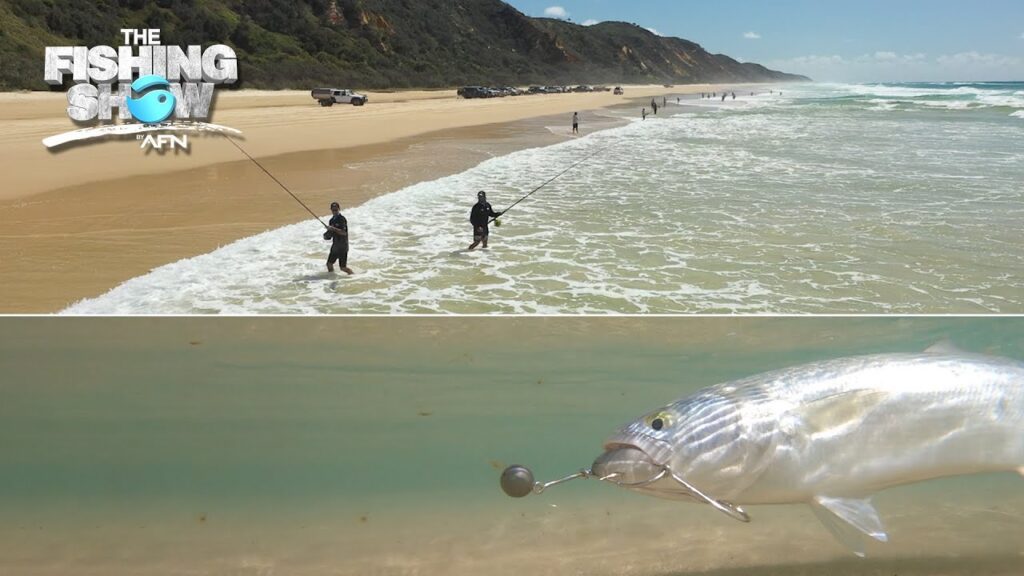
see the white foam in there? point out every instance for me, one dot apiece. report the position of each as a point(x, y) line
point(970, 97)
point(1002, 100)
point(949, 104)
point(881, 105)
point(889, 91)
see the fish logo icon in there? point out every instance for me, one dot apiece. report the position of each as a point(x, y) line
point(154, 106)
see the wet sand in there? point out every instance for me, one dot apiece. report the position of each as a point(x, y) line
point(78, 222)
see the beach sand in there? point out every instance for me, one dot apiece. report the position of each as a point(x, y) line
point(80, 221)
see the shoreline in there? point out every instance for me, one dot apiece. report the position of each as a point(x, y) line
point(273, 123)
point(77, 241)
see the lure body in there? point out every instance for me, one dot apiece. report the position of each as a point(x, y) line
point(831, 434)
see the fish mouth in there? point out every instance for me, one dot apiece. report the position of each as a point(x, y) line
point(627, 465)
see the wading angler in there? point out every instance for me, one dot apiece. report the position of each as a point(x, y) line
point(165, 80)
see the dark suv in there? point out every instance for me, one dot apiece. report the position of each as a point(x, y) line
point(474, 92)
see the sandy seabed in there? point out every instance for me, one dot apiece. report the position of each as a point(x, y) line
point(622, 536)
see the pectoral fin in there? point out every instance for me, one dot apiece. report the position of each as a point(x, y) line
point(849, 520)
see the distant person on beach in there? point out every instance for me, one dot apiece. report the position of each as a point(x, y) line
point(654, 105)
point(575, 122)
point(480, 216)
point(337, 233)
point(733, 95)
point(664, 101)
point(643, 113)
point(723, 96)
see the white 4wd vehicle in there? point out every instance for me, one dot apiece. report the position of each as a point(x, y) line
point(328, 96)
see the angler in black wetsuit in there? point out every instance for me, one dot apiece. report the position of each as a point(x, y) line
point(479, 217)
point(337, 233)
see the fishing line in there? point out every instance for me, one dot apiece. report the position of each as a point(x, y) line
point(267, 172)
point(555, 177)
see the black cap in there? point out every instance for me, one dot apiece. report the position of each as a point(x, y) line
point(481, 194)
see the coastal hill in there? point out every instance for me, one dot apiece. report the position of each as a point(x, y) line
point(373, 44)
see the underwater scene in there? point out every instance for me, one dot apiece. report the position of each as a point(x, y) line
point(374, 446)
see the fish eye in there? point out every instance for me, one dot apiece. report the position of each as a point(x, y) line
point(659, 421)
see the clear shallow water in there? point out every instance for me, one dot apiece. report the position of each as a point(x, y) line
point(349, 446)
point(827, 199)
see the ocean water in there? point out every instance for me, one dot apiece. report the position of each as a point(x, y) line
point(373, 446)
point(885, 198)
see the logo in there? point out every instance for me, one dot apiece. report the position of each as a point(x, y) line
point(146, 82)
point(160, 140)
point(155, 106)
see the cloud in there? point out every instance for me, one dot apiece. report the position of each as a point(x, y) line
point(813, 61)
point(556, 12)
point(978, 59)
point(890, 58)
point(653, 31)
point(590, 22)
point(887, 66)
point(751, 35)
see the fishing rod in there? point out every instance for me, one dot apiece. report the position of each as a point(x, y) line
point(267, 172)
point(555, 177)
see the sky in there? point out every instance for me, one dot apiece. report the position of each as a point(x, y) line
point(832, 40)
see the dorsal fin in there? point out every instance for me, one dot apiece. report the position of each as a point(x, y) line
point(944, 347)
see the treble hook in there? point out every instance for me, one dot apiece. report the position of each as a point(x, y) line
point(731, 510)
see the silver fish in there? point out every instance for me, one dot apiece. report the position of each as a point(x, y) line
point(829, 434)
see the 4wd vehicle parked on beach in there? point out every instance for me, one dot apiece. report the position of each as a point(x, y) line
point(474, 92)
point(330, 96)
